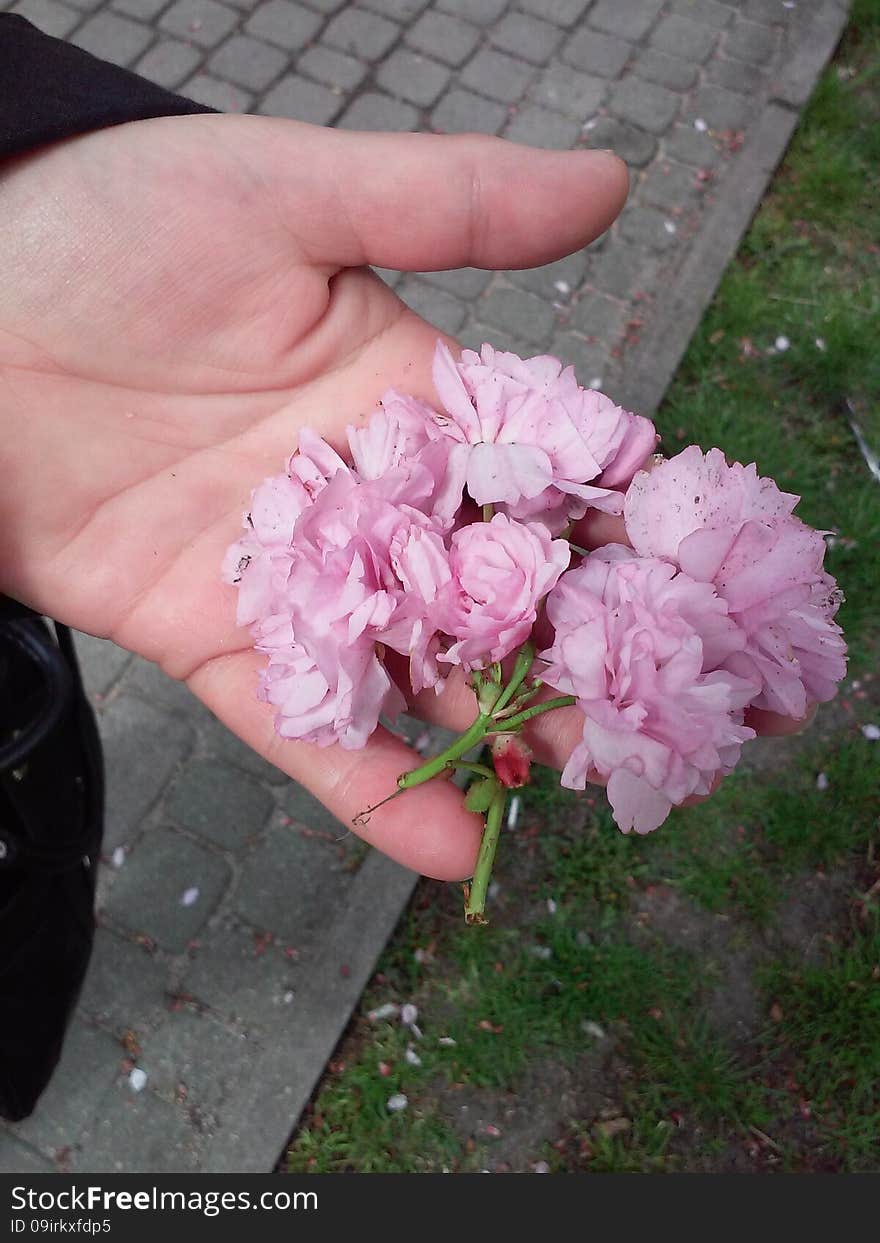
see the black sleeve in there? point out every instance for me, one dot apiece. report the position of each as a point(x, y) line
point(50, 89)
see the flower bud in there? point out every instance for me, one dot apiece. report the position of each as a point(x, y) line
point(511, 758)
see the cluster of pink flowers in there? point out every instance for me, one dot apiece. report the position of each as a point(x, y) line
point(720, 603)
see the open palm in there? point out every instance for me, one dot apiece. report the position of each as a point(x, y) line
point(180, 296)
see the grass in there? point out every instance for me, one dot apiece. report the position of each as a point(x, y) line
point(640, 1004)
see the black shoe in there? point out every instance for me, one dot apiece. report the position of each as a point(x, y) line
point(51, 825)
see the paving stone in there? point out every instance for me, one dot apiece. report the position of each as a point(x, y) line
point(218, 803)
point(53, 19)
point(290, 26)
point(526, 36)
point(538, 127)
point(542, 281)
point(301, 100)
point(464, 282)
point(735, 75)
point(139, 1133)
point(335, 69)
point(143, 10)
point(665, 70)
point(248, 62)
point(483, 12)
point(589, 359)
point(766, 11)
point(199, 21)
point(148, 891)
point(670, 186)
point(528, 318)
point(376, 111)
point(721, 109)
point(561, 12)
point(101, 662)
point(125, 986)
point(629, 19)
point(214, 93)
point(90, 1062)
point(444, 37)
point(597, 53)
point(461, 112)
point(142, 748)
point(288, 883)
point(113, 38)
point(751, 42)
point(168, 63)
point(411, 76)
point(399, 10)
point(362, 34)
point(16, 1158)
point(218, 741)
point(435, 305)
point(650, 107)
point(632, 144)
point(86, 6)
point(565, 90)
point(195, 1058)
point(707, 11)
point(327, 7)
point(685, 143)
point(623, 271)
point(599, 318)
point(679, 36)
point(497, 75)
point(144, 676)
point(242, 978)
point(389, 276)
point(645, 226)
point(474, 334)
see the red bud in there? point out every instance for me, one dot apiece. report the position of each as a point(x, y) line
point(511, 758)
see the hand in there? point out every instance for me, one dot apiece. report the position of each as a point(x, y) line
point(180, 296)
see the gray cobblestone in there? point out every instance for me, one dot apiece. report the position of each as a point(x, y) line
point(624, 271)
point(644, 226)
point(101, 661)
point(86, 6)
point(142, 748)
point(328, 7)
point(561, 12)
point(665, 70)
point(650, 107)
point(218, 803)
point(599, 318)
point(248, 62)
point(376, 111)
point(670, 186)
point(411, 76)
point(168, 63)
point(399, 10)
point(566, 90)
point(538, 127)
point(144, 676)
point(147, 893)
point(632, 144)
point(681, 37)
point(461, 112)
point(590, 360)
point(629, 19)
point(435, 305)
point(495, 74)
point(16, 1158)
point(526, 36)
point(735, 75)
point(721, 109)
point(362, 34)
point(141, 1133)
point(520, 313)
point(333, 68)
point(143, 10)
point(445, 37)
point(241, 977)
point(483, 12)
point(293, 910)
point(542, 281)
point(597, 53)
point(199, 21)
point(53, 19)
point(218, 741)
point(194, 1057)
point(767, 11)
point(475, 333)
point(289, 25)
point(464, 282)
point(707, 11)
point(301, 101)
point(685, 143)
point(125, 988)
point(113, 38)
point(751, 42)
point(214, 93)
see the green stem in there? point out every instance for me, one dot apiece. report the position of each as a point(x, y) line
point(563, 701)
point(417, 776)
point(475, 900)
point(524, 660)
point(480, 769)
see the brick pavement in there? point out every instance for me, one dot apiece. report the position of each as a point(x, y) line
point(239, 922)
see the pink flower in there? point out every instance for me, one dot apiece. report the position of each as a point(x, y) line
point(528, 436)
point(636, 643)
point(727, 526)
point(499, 573)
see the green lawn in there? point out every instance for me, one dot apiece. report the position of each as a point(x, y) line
point(707, 998)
